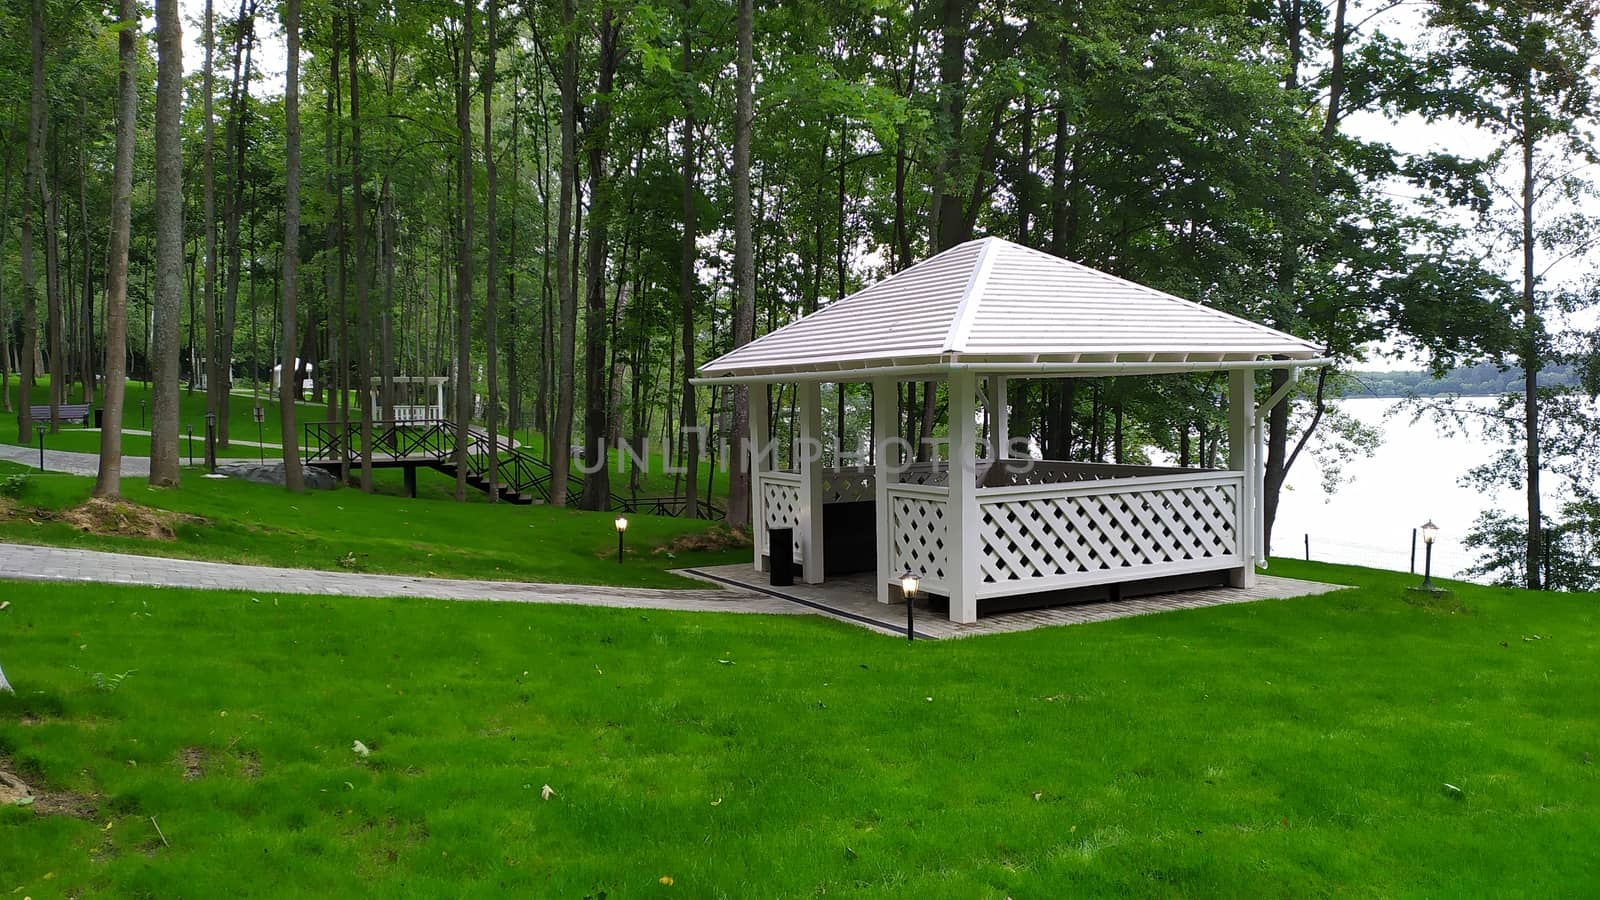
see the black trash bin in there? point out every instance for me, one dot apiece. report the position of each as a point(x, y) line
point(97, 418)
point(780, 557)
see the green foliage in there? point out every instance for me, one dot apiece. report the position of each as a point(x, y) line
point(14, 486)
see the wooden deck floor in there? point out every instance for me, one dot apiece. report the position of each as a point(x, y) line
point(853, 599)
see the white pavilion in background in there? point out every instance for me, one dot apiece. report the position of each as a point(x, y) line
point(987, 529)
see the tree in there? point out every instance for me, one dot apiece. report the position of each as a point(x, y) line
point(1522, 70)
point(363, 268)
point(744, 263)
point(109, 480)
point(491, 226)
point(566, 283)
point(288, 372)
point(208, 291)
point(463, 363)
point(164, 450)
point(596, 416)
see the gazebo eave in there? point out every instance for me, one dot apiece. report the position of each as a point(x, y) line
point(1086, 365)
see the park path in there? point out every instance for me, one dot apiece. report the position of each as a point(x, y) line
point(26, 562)
point(74, 463)
point(71, 462)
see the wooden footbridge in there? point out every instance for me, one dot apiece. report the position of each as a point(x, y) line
point(523, 478)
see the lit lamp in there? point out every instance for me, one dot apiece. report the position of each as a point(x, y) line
point(1429, 532)
point(909, 582)
point(622, 526)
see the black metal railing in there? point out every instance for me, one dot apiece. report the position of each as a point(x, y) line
point(518, 472)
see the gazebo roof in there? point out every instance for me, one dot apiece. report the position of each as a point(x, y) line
point(995, 306)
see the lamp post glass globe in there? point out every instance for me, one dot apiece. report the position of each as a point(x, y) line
point(622, 526)
point(1429, 532)
point(909, 582)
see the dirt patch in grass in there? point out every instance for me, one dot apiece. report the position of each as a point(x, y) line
point(15, 791)
point(714, 539)
point(120, 518)
point(194, 760)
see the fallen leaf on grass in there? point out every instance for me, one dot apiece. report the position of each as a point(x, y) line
point(360, 749)
point(1453, 791)
point(717, 802)
point(666, 880)
point(546, 792)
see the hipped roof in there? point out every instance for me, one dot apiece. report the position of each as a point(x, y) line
point(996, 306)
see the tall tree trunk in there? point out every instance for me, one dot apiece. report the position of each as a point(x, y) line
point(597, 477)
point(108, 481)
point(686, 288)
point(5, 309)
point(85, 329)
point(560, 441)
point(164, 449)
point(463, 365)
point(209, 176)
point(219, 377)
point(289, 376)
point(1532, 329)
point(744, 258)
point(358, 202)
point(491, 310)
point(52, 232)
point(28, 363)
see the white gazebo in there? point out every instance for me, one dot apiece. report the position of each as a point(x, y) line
point(981, 526)
point(417, 398)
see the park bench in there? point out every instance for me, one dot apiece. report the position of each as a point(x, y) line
point(66, 412)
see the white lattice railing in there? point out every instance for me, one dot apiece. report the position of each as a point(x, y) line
point(780, 506)
point(1049, 536)
point(919, 537)
point(848, 485)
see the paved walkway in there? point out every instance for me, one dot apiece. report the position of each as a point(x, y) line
point(31, 563)
point(74, 463)
point(70, 462)
point(854, 598)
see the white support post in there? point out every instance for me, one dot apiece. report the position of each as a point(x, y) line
point(963, 546)
point(811, 481)
point(760, 457)
point(886, 463)
point(1242, 458)
point(1000, 415)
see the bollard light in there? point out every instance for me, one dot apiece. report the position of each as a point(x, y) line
point(622, 526)
point(909, 583)
point(211, 440)
point(1429, 531)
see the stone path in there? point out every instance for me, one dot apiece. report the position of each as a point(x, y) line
point(26, 562)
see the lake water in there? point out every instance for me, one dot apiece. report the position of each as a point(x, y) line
point(1414, 476)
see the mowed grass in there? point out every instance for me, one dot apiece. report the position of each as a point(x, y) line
point(1278, 749)
point(191, 411)
point(346, 530)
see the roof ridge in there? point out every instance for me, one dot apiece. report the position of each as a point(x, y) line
point(955, 339)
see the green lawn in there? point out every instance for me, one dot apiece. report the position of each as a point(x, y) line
point(346, 529)
point(1277, 749)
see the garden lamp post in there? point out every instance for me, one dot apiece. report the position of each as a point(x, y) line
point(211, 440)
point(190, 429)
point(142, 405)
point(909, 582)
point(261, 448)
point(1429, 532)
point(622, 528)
